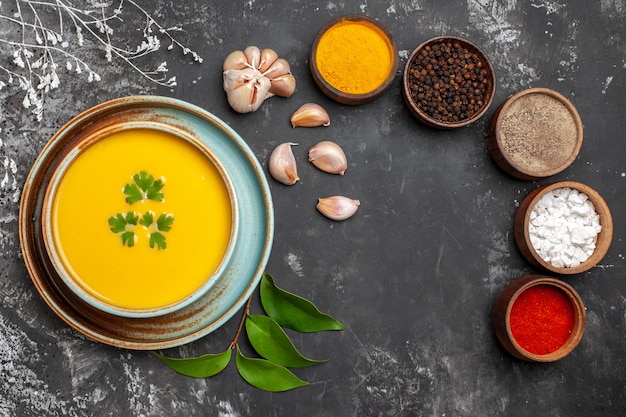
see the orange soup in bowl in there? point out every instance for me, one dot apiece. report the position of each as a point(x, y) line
point(139, 220)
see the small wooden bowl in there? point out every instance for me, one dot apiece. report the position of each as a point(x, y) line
point(334, 91)
point(502, 312)
point(411, 82)
point(522, 219)
point(535, 133)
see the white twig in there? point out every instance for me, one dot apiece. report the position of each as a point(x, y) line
point(43, 37)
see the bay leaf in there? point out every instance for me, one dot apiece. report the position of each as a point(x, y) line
point(199, 367)
point(271, 342)
point(266, 375)
point(292, 311)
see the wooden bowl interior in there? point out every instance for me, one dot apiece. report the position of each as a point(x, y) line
point(338, 95)
point(425, 118)
point(522, 220)
point(502, 311)
point(497, 148)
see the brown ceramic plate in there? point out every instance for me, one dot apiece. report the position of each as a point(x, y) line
point(243, 271)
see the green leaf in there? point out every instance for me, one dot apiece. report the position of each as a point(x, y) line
point(165, 221)
point(292, 311)
point(128, 239)
point(143, 180)
point(272, 343)
point(266, 375)
point(200, 367)
point(117, 223)
point(154, 191)
point(133, 194)
point(147, 219)
point(132, 218)
point(157, 239)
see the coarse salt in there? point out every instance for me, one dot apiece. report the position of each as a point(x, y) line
point(564, 227)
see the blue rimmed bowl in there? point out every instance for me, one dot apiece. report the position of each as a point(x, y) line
point(241, 270)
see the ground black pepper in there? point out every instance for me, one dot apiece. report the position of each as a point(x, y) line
point(449, 82)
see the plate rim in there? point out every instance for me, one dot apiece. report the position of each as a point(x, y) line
point(31, 202)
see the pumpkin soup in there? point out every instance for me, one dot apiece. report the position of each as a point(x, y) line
point(141, 219)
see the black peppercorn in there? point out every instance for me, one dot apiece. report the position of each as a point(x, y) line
point(448, 81)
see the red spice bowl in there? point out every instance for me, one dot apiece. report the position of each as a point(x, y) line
point(448, 83)
point(539, 318)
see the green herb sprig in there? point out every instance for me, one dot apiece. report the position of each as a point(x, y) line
point(144, 187)
point(269, 372)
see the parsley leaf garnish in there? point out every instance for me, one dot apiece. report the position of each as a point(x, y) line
point(158, 239)
point(128, 239)
point(133, 193)
point(154, 191)
point(144, 187)
point(165, 222)
point(119, 223)
point(143, 180)
point(132, 218)
point(147, 219)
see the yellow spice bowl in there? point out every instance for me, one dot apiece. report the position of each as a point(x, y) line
point(354, 59)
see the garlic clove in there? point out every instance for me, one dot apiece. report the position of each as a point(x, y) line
point(268, 57)
point(282, 164)
point(328, 157)
point(253, 55)
point(278, 68)
point(283, 86)
point(338, 207)
point(236, 78)
point(310, 115)
point(240, 98)
point(236, 60)
point(248, 96)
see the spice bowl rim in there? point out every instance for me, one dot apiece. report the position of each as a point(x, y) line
point(422, 116)
point(494, 138)
point(341, 96)
point(522, 219)
point(65, 280)
point(504, 304)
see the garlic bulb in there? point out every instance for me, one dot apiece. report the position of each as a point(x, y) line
point(328, 157)
point(282, 164)
point(338, 207)
point(310, 115)
point(253, 75)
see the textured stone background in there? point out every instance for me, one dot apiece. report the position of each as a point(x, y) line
point(413, 275)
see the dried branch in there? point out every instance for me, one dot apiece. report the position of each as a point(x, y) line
point(43, 36)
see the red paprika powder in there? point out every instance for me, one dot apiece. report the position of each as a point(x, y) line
point(542, 319)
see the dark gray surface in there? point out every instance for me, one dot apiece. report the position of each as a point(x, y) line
point(413, 275)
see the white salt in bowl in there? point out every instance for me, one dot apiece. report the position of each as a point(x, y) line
point(524, 235)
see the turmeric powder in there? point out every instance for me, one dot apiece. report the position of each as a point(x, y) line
point(354, 56)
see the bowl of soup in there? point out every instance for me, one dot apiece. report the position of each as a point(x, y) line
point(146, 222)
point(138, 219)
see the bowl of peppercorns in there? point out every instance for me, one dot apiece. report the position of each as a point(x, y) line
point(448, 83)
